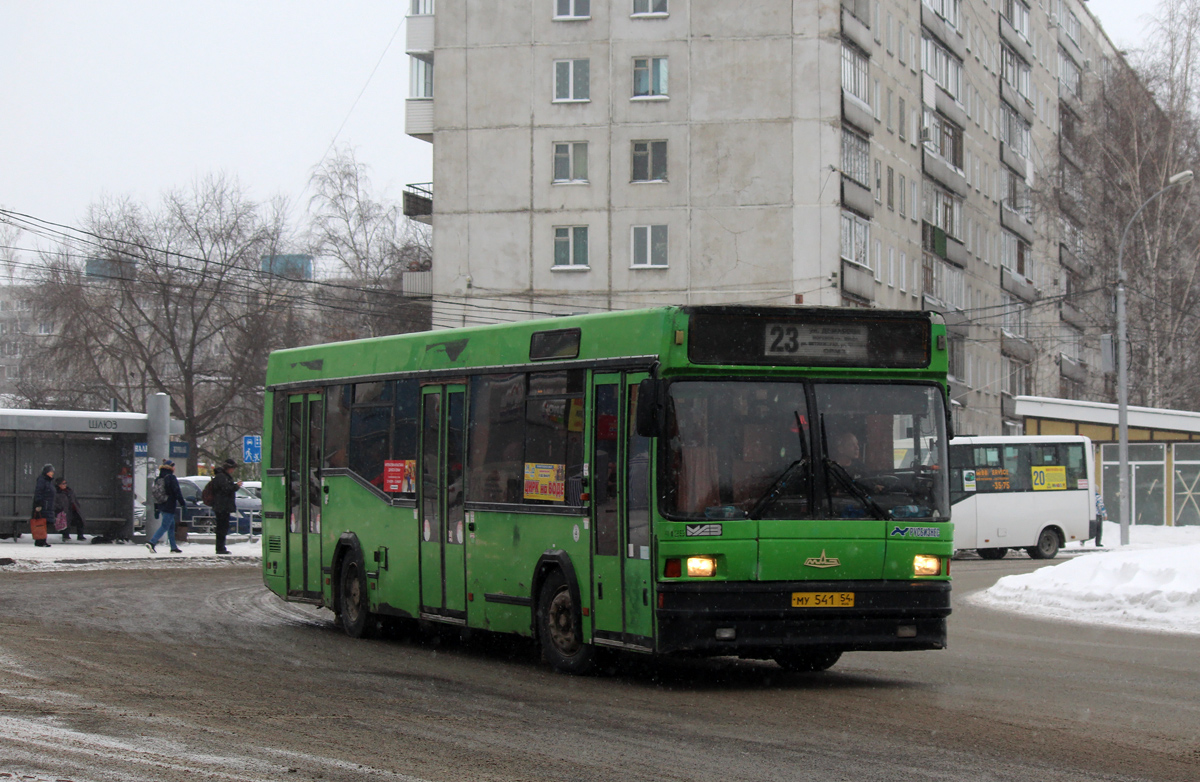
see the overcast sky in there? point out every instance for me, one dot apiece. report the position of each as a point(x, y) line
point(133, 97)
point(127, 97)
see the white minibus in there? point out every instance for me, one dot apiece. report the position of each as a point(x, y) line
point(1032, 492)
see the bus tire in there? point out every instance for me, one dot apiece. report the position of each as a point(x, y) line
point(1047, 545)
point(356, 620)
point(992, 553)
point(808, 660)
point(560, 627)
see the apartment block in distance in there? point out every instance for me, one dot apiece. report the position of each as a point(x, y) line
point(871, 153)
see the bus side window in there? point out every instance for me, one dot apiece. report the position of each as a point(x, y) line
point(337, 425)
point(1076, 464)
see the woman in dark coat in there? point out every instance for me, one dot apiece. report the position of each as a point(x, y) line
point(65, 502)
point(43, 499)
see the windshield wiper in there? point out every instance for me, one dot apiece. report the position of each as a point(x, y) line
point(849, 484)
point(774, 490)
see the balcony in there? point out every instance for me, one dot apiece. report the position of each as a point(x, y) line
point(1072, 369)
point(1070, 260)
point(1016, 346)
point(1018, 285)
point(857, 32)
point(857, 197)
point(1016, 222)
point(419, 37)
point(858, 280)
point(1072, 315)
point(418, 202)
point(944, 172)
point(418, 118)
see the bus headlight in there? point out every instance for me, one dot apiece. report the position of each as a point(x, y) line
point(701, 567)
point(926, 565)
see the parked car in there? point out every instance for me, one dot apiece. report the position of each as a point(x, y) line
point(249, 507)
point(253, 488)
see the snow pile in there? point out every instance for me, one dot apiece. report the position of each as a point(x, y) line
point(1151, 584)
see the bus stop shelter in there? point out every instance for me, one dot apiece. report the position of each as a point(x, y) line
point(1164, 453)
point(93, 450)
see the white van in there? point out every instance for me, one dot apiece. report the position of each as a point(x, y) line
point(1032, 492)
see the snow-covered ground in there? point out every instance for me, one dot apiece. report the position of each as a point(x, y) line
point(1151, 584)
point(81, 554)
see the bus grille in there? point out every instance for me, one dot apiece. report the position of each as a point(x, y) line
point(274, 543)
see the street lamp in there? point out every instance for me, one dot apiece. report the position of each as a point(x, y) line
point(1182, 178)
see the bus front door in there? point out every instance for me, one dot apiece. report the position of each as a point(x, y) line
point(305, 495)
point(440, 500)
point(621, 586)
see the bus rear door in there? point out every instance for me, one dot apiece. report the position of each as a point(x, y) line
point(304, 493)
point(443, 562)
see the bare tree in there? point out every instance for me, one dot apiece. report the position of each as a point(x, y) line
point(374, 247)
point(170, 300)
point(1142, 129)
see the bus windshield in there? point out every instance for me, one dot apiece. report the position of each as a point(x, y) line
point(762, 449)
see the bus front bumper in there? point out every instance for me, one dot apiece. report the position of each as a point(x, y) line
point(757, 619)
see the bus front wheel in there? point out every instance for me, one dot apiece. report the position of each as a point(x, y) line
point(992, 553)
point(808, 660)
point(560, 627)
point(356, 620)
point(1047, 545)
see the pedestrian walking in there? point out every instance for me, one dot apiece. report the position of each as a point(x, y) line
point(1101, 517)
point(43, 504)
point(167, 500)
point(224, 491)
point(66, 510)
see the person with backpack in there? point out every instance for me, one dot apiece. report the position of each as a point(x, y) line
point(224, 500)
point(167, 499)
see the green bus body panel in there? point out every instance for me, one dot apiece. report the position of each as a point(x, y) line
point(502, 555)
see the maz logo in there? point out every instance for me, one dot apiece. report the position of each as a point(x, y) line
point(822, 561)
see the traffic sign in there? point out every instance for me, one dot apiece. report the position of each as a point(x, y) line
point(252, 448)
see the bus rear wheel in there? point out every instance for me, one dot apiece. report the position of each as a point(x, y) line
point(992, 553)
point(560, 628)
point(355, 619)
point(1047, 545)
point(808, 660)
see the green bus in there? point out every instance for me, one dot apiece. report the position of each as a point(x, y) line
point(762, 482)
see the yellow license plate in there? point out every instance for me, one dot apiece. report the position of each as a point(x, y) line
point(822, 600)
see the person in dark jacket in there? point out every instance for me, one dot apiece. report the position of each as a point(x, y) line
point(224, 491)
point(43, 499)
point(65, 502)
point(167, 510)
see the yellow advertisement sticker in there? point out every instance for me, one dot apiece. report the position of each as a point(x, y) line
point(1049, 478)
point(545, 481)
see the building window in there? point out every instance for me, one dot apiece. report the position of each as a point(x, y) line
point(947, 9)
point(649, 161)
point(570, 161)
point(903, 195)
point(1017, 195)
point(943, 209)
point(944, 138)
point(856, 157)
point(1017, 14)
point(856, 235)
point(854, 74)
point(570, 246)
point(878, 181)
point(650, 246)
point(1015, 254)
point(1070, 22)
point(859, 9)
point(1072, 181)
point(1068, 74)
point(1014, 130)
point(943, 66)
point(571, 80)
point(1014, 70)
point(420, 78)
point(902, 119)
point(1071, 236)
point(45, 328)
point(572, 9)
point(649, 77)
point(421, 8)
point(891, 188)
point(647, 7)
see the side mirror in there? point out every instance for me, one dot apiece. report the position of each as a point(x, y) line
point(949, 417)
point(651, 413)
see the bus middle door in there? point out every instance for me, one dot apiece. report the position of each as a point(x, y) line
point(621, 599)
point(443, 559)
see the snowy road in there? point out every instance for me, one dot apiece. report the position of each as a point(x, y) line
point(168, 672)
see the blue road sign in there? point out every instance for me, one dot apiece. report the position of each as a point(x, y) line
point(179, 450)
point(141, 449)
point(252, 448)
